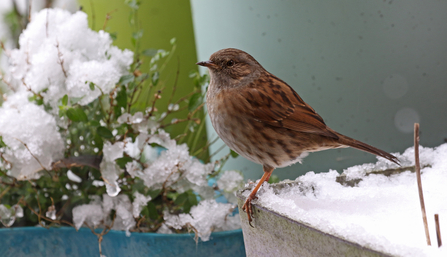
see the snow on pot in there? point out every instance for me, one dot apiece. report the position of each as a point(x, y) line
point(369, 210)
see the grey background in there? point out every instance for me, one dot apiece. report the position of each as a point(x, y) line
point(369, 68)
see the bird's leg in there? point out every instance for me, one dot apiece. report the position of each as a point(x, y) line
point(247, 205)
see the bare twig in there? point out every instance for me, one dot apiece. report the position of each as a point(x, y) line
point(7, 53)
point(2, 193)
point(418, 176)
point(60, 57)
point(216, 152)
point(29, 10)
point(174, 88)
point(6, 82)
point(93, 14)
point(26, 146)
point(108, 17)
point(156, 97)
point(30, 89)
point(196, 232)
point(100, 236)
point(92, 161)
point(438, 230)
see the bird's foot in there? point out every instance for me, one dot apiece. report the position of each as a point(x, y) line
point(247, 207)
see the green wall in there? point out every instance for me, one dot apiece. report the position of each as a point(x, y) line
point(160, 21)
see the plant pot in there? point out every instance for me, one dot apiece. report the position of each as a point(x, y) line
point(273, 234)
point(65, 241)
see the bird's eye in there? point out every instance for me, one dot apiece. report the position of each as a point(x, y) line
point(230, 63)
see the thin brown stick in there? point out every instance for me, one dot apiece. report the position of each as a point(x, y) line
point(29, 11)
point(2, 77)
point(2, 193)
point(438, 230)
point(108, 17)
point(93, 14)
point(26, 146)
point(418, 176)
point(60, 58)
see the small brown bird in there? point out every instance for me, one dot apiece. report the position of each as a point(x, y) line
point(263, 119)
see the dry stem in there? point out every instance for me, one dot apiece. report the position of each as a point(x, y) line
point(60, 59)
point(26, 146)
point(418, 176)
point(438, 230)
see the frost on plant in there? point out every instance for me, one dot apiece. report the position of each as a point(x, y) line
point(109, 169)
point(60, 55)
point(31, 136)
point(203, 218)
point(75, 133)
point(9, 215)
point(229, 183)
point(98, 213)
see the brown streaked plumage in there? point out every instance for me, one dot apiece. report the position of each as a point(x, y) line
point(263, 119)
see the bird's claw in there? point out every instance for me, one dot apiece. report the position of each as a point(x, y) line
point(247, 207)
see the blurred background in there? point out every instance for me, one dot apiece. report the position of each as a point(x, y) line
point(370, 68)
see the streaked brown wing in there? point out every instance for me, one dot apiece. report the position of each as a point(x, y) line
point(280, 106)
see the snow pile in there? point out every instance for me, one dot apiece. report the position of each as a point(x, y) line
point(98, 213)
point(31, 135)
point(173, 167)
point(381, 212)
point(60, 55)
point(229, 182)
point(205, 218)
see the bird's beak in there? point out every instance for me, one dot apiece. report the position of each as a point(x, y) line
point(208, 64)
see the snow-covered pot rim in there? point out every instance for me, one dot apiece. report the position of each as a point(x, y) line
point(274, 234)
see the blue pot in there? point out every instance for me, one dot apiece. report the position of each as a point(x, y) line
point(65, 241)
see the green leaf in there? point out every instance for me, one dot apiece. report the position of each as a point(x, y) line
point(2, 144)
point(117, 110)
point(192, 201)
point(94, 123)
point(98, 141)
point(153, 214)
point(65, 100)
point(77, 114)
point(193, 74)
point(134, 4)
point(126, 79)
point(92, 86)
point(113, 36)
point(121, 97)
point(151, 52)
point(181, 199)
point(123, 161)
point(137, 35)
point(104, 132)
point(155, 78)
point(233, 154)
point(195, 101)
point(154, 193)
point(273, 179)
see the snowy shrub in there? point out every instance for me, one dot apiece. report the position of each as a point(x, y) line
point(84, 143)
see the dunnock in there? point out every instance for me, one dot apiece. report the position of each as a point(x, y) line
point(263, 119)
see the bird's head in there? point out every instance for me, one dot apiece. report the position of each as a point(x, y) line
point(232, 67)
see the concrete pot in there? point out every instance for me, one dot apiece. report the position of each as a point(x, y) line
point(273, 234)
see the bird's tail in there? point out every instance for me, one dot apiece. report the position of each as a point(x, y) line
point(367, 148)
